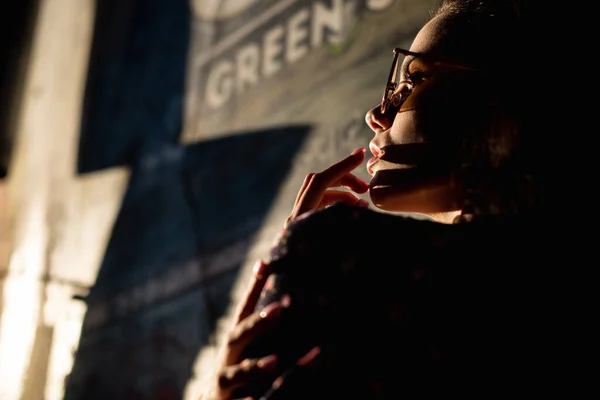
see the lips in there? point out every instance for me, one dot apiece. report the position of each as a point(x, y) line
point(377, 153)
point(375, 150)
point(372, 161)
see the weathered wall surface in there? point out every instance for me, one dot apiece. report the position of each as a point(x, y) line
point(176, 136)
point(55, 223)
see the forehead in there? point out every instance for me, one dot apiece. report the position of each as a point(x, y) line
point(441, 40)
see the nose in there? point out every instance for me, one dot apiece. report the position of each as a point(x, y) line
point(378, 121)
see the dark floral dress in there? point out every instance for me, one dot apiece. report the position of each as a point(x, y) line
point(400, 307)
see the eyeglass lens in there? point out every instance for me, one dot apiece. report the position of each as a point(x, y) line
point(392, 99)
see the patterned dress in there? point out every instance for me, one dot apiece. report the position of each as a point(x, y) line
point(400, 307)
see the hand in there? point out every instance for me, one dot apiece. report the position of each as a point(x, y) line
point(296, 376)
point(236, 372)
point(315, 194)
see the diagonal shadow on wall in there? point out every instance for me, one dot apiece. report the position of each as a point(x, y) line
point(186, 223)
point(188, 217)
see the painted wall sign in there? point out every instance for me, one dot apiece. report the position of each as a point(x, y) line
point(251, 65)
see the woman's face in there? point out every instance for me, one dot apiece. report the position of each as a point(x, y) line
point(414, 145)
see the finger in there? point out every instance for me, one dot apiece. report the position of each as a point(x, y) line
point(305, 184)
point(260, 275)
point(235, 376)
point(314, 185)
point(288, 382)
point(330, 197)
point(333, 196)
point(299, 197)
point(338, 170)
point(251, 328)
point(354, 183)
point(331, 177)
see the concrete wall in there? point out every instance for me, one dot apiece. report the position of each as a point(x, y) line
point(160, 148)
point(56, 223)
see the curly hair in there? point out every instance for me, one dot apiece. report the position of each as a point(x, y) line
point(501, 168)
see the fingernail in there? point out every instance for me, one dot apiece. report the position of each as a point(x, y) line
point(359, 150)
point(270, 310)
point(259, 269)
point(286, 300)
point(268, 362)
point(277, 383)
point(308, 357)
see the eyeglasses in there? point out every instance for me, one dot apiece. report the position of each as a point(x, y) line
point(399, 84)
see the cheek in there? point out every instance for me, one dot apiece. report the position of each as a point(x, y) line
point(446, 111)
point(424, 115)
point(406, 128)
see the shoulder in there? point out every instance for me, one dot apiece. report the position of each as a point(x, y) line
point(340, 216)
point(346, 229)
point(317, 230)
point(333, 218)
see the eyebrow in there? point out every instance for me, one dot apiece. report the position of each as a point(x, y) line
point(429, 58)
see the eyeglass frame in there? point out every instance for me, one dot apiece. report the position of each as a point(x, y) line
point(390, 96)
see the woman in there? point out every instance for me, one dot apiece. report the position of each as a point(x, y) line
point(432, 307)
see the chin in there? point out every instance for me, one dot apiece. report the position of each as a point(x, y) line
point(421, 201)
point(427, 196)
